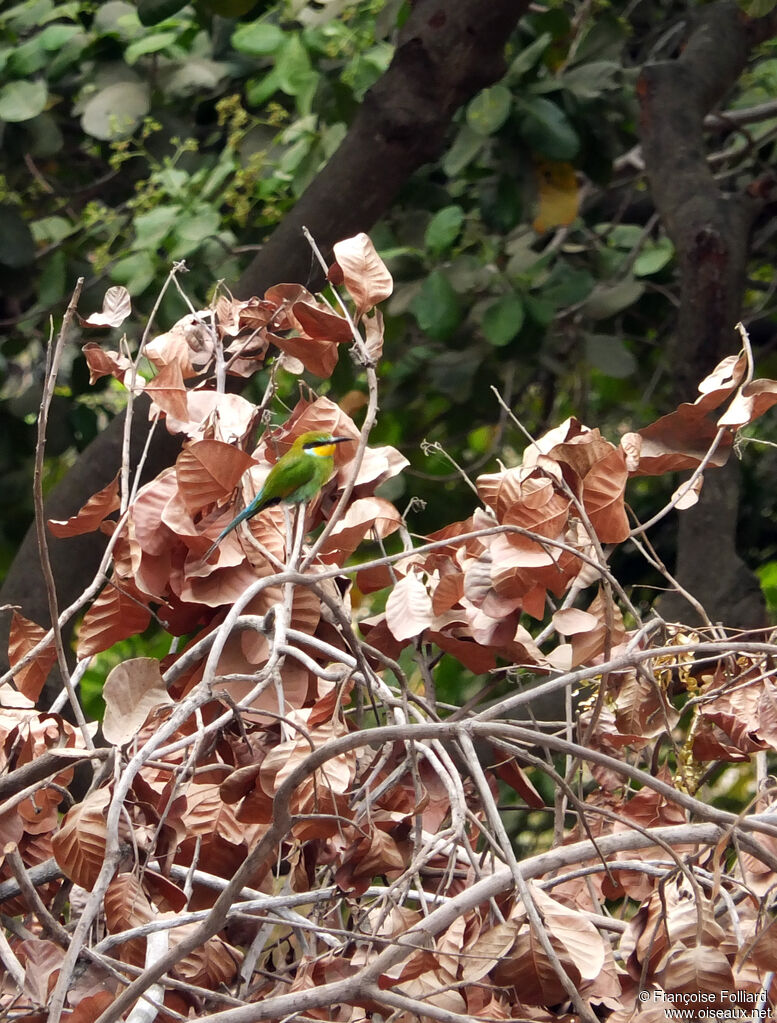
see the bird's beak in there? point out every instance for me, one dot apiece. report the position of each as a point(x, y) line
point(341, 440)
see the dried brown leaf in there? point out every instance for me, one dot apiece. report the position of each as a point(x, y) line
point(752, 401)
point(41, 960)
point(208, 471)
point(679, 440)
point(116, 308)
point(168, 393)
point(116, 614)
point(213, 965)
point(603, 496)
point(318, 356)
point(698, 969)
point(189, 343)
point(409, 608)
point(79, 845)
point(367, 515)
point(321, 323)
point(373, 335)
point(225, 417)
point(90, 515)
point(486, 950)
point(25, 635)
point(688, 496)
point(132, 690)
point(126, 905)
point(364, 272)
point(104, 363)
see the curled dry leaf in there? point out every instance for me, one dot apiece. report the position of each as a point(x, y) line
point(126, 906)
point(225, 417)
point(41, 960)
point(318, 356)
point(679, 440)
point(25, 635)
point(167, 392)
point(700, 968)
point(685, 496)
point(116, 308)
point(570, 621)
point(364, 273)
point(117, 613)
point(319, 322)
point(79, 844)
point(409, 608)
point(373, 334)
point(132, 690)
point(208, 471)
point(189, 343)
point(104, 363)
point(371, 516)
point(91, 515)
point(752, 401)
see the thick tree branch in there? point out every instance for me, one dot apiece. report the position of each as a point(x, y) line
point(711, 232)
point(448, 50)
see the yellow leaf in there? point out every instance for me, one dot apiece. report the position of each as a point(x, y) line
point(558, 195)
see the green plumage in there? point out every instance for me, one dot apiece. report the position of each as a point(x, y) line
point(295, 478)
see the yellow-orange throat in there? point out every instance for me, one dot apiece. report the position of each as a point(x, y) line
point(323, 450)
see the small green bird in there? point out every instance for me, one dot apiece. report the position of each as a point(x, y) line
point(297, 476)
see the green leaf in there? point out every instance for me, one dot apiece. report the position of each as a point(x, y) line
point(27, 58)
point(21, 101)
point(567, 285)
point(443, 229)
point(115, 112)
point(17, 246)
point(547, 130)
point(29, 15)
point(767, 575)
point(51, 229)
point(117, 18)
point(258, 38)
point(465, 148)
point(608, 299)
point(609, 355)
point(151, 12)
point(500, 203)
point(152, 228)
point(529, 56)
point(503, 319)
point(259, 90)
point(149, 44)
point(653, 258)
point(135, 272)
point(589, 81)
point(229, 8)
point(437, 307)
point(196, 75)
point(192, 229)
point(622, 236)
point(540, 310)
point(757, 8)
point(488, 111)
point(67, 55)
point(52, 281)
point(296, 76)
point(55, 36)
point(43, 135)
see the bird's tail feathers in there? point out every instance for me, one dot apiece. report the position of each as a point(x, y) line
point(244, 514)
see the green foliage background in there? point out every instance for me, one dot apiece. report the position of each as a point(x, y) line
point(135, 135)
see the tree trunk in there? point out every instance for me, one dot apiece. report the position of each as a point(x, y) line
point(711, 233)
